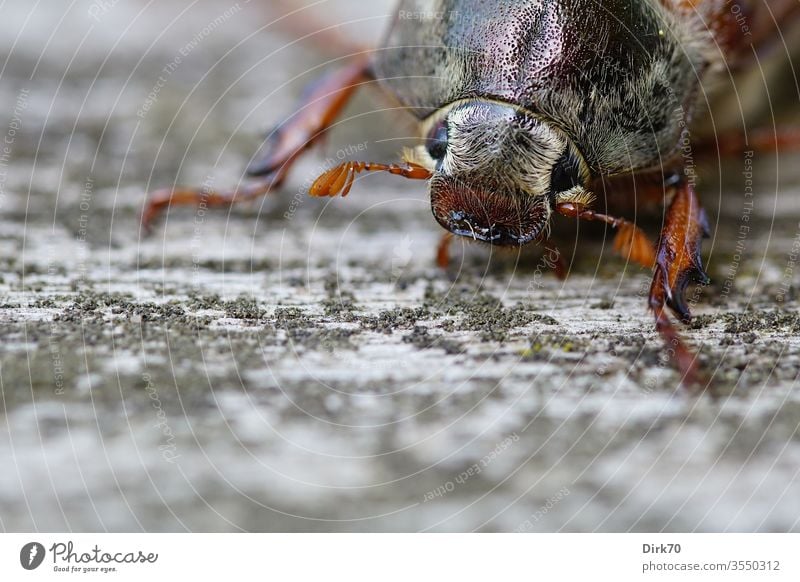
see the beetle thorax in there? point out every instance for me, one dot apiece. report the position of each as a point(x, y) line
point(619, 77)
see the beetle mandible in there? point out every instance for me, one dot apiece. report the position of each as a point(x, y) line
point(529, 109)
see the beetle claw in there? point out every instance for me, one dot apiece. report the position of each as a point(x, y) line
point(270, 157)
point(678, 260)
point(678, 263)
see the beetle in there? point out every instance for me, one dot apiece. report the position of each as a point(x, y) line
point(532, 109)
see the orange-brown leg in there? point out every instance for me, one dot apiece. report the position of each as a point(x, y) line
point(443, 250)
point(555, 260)
point(320, 104)
point(339, 180)
point(630, 242)
point(766, 26)
point(678, 263)
point(763, 139)
point(743, 30)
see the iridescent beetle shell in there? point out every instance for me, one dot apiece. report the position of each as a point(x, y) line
point(522, 102)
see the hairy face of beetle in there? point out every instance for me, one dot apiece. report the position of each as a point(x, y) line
point(498, 171)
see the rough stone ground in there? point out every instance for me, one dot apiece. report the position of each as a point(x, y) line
point(247, 371)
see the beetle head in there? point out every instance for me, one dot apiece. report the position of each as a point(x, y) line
point(498, 171)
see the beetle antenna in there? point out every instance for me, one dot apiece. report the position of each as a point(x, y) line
point(340, 179)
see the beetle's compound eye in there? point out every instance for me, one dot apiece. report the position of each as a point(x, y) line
point(566, 173)
point(437, 141)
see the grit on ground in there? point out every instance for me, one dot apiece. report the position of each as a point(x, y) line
point(298, 364)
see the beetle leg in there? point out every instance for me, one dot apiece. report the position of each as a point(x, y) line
point(678, 259)
point(762, 139)
point(443, 250)
point(767, 28)
point(159, 200)
point(558, 264)
point(743, 30)
point(339, 179)
point(630, 242)
point(677, 263)
point(321, 103)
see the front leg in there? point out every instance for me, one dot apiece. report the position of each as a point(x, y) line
point(678, 263)
point(630, 242)
point(320, 104)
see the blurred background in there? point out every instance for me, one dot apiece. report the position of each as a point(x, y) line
point(301, 365)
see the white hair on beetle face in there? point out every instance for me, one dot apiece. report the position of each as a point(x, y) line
point(500, 143)
point(520, 157)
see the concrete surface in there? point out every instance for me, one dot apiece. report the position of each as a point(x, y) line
point(301, 365)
